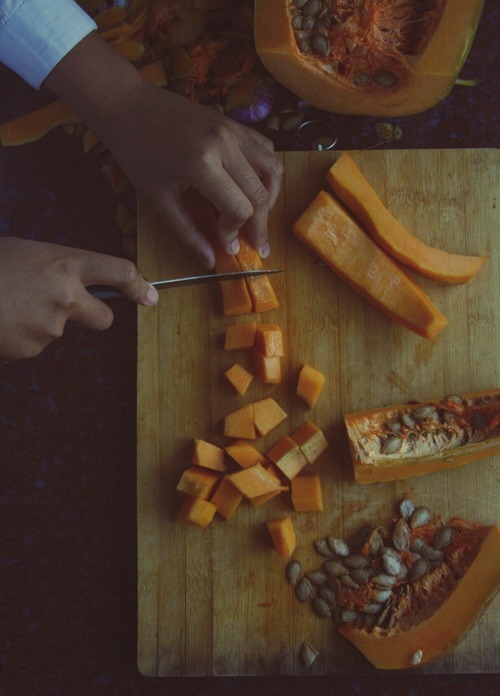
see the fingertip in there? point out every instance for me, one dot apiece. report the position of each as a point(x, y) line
point(264, 250)
point(151, 297)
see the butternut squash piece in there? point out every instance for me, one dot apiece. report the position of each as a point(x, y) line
point(328, 229)
point(209, 456)
point(259, 500)
point(283, 536)
point(288, 457)
point(311, 441)
point(244, 454)
point(239, 378)
point(267, 368)
point(310, 384)
point(240, 336)
point(306, 493)
point(241, 423)
point(379, 454)
point(226, 499)
point(196, 511)
point(267, 415)
point(260, 288)
point(269, 340)
point(254, 481)
point(198, 482)
point(131, 50)
point(353, 189)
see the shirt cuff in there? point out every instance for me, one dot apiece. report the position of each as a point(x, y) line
point(38, 34)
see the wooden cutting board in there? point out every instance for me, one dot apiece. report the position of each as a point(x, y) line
point(215, 601)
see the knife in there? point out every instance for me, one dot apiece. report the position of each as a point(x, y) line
point(103, 292)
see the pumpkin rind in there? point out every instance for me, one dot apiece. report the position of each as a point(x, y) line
point(448, 624)
point(424, 77)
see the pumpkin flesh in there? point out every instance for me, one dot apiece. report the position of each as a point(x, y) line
point(384, 58)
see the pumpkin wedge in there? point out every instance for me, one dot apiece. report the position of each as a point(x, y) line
point(383, 58)
point(353, 189)
point(406, 440)
point(329, 230)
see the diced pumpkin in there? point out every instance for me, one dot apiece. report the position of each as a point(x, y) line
point(353, 189)
point(240, 336)
point(208, 455)
point(288, 457)
point(310, 384)
point(328, 229)
point(239, 378)
point(244, 454)
point(261, 499)
point(311, 441)
point(379, 454)
point(130, 49)
point(260, 288)
point(269, 340)
point(254, 481)
point(196, 511)
point(267, 368)
point(283, 536)
point(226, 498)
point(306, 493)
point(241, 423)
point(198, 481)
point(267, 415)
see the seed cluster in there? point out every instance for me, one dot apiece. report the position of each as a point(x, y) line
point(371, 578)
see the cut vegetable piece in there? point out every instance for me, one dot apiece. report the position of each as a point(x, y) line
point(198, 482)
point(260, 288)
point(240, 336)
point(283, 535)
point(353, 189)
point(196, 511)
point(306, 493)
point(267, 415)
point(269, 340)
point(310, 384)
point(239, 378)
point(244, 454)
point(241, 423)
point(226, 499)
point(328, 229)
point(267, 368)
point(288, 457)
point(311, 441)
point(261, 499)
point(254, 481)
point(431, 435)
point(131, 50)
point(209, 456)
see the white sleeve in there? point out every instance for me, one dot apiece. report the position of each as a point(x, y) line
point(36, 34)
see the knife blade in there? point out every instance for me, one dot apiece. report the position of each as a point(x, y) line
point(103, 292)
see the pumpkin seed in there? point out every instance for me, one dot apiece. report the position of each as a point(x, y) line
point(335, 568)
point(348, 615)
point(408, 421)
point(309, 23)
point(382, 596)
point(442, 537)
point(360, 79)
point(420, 568)
point(416, 658)
point(359, 539)
point(308, 654)
point(402, 573)
point(320, 45)
point(372, 608)
point(417, 545)
point(384, 581)
point(391, 561)
point(356, 560)
point(311, 8)
point(394, 427)
point(401, 535)
point(322, 547)
point(297, 22)
point(359, 575)
point(321, 608)
point(406, 508)
point(369, 621)
point(321, 28)
point(456, 398)
point(424, 412)
point(316, 577)
point(392, 445)
point(432, 554)
point(304, 45)
point(304, 590)
point(326, 593)
point(375, 541)
point(386, 79)
point(338, 546)
point(349, 582)
point(299, 4)
point(293, 572)
point(420, 516)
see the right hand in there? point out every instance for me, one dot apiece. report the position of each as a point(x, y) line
point(42, 286)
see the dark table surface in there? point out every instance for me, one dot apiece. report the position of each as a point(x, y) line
point(67, 429)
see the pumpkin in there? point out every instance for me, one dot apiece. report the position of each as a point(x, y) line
point(431, 615)
point(384, 58)
point(405, 440)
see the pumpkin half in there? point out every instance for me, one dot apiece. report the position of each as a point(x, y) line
point(434, 614)
point(369, 57)
point(405, 440)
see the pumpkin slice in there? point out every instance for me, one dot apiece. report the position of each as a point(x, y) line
point(405, 440)
point(353, 189)
point(431, 615)
point(379, 59)
point(328, 229)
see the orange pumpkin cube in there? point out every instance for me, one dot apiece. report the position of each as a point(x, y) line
point(240, 336)
point(267, 368)
point(306, 493)
point(244, 454)
point(310, 384)
point(260, 288)
point(209, 456)
point(254, 481)
point(239, 378)
point(288, 457)
point(198, 481)
point(196, 511)
point(226, 499)
point(311, 441)
point(261, 499)
point(283, 535)
point(269, 340)
point(241, 423)
point(267, 415)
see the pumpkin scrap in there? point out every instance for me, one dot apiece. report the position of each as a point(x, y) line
point(405, 440)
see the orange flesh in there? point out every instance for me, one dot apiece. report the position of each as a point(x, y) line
point(306, 493)
point(282, 533)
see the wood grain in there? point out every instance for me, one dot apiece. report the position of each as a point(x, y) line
point(215, 601)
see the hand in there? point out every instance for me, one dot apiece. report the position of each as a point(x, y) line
point(42, 286)
point(166, 144)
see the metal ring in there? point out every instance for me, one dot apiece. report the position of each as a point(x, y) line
point(322, 135)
